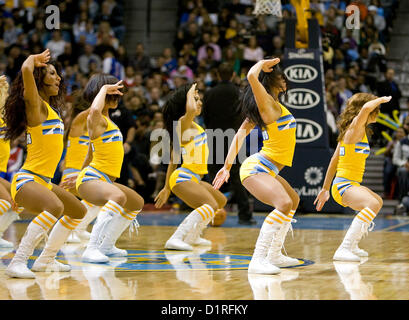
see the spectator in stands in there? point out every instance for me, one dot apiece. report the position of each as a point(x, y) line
point(56, 44)
point(378, 20)
point(220, 111)
point(155, 97)
point(278, 47)
point(11, 32)
point(105, 43)
point(169, 62)
point(252, 52)
point(15, 59)
point(139, 163)
point(389, 88)
point(400, 160)
point(68, 57)
point(87, 34)
point(343, 94)
point(129, 80)
point(87, 57)
point(112, 66)
point(203, 52)
point(389, 168)
point(140, 61)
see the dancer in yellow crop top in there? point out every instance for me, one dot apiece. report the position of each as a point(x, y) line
point(259, 173)
point(36, 91)
point(7, 214)
point(348, 166)
point(186, 181)
point(96, 182)
point(77, 149)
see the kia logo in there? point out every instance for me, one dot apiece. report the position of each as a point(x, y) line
point(300, 73)
point(301, 98)
point(308, 130)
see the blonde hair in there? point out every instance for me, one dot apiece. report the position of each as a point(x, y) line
point(354, 105)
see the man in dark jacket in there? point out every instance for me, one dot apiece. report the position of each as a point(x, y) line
point(389, 88)
point(220, 113)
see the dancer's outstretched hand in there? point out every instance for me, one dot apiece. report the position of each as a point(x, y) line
point(162, 197)
point(269, 64)
point(41, 59)
point(69, 183)
point(115, 88)
point(320, 200)
point(221, 177)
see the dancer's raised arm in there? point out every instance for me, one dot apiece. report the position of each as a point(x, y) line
point(224, 173)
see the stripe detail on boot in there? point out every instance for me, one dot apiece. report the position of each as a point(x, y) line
point(87, 204)
point(45, 220)
point(20, 210)
point(113, 207)
point(4, 206)
point(366, 215)
point(130, 215)
point(276, 217)
point(205, 211)
point(291, 214)
point(69, 223)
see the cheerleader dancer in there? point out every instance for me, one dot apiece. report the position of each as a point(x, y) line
point(95, 183)
point(77, 149)
point(34, 105)
point(7, 215)
point(348, 166)
point(259, 172)
point(186, 182)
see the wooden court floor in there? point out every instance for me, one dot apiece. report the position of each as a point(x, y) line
point(219, 272)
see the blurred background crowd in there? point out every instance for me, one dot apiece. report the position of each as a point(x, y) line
point(91, 39)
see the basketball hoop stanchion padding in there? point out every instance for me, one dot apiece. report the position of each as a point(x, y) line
point(305, 99)
point(271, 7)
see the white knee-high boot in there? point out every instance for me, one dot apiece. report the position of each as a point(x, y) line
point(275, 255)
point(113, 230)
point(7, 217)
point(194, 236)
point(359, 226)
point(35, 232)
point(269, 230)
point(59, 234)
point(176, 241)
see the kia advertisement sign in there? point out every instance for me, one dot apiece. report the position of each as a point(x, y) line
point(308, 131)
point(301, 98)
point(305, 96)
point(301, 73)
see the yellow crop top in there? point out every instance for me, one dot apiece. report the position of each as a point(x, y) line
point(279, 138)
point(77, 149)
point(352, 158)
point(196, 152)
point(45, 145)
point(4, 148)
point(108, 151)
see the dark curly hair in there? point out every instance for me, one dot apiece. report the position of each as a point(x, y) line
point(94, 85)
point(248, 106)
point(14, 112)
point(175, 108)
point(78, 105)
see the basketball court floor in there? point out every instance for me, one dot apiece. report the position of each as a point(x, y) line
point(219, 272)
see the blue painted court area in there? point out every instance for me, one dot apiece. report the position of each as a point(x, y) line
point(154, 260)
